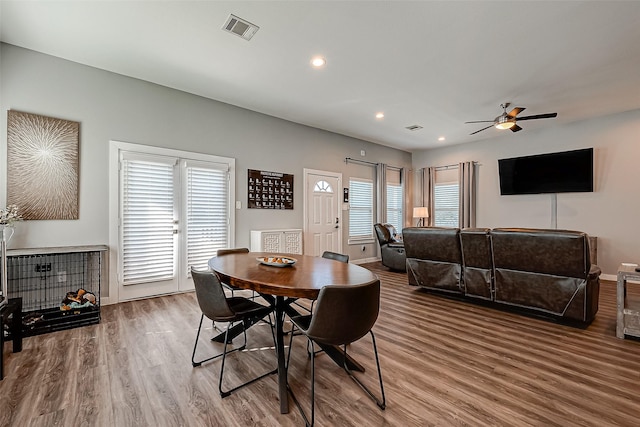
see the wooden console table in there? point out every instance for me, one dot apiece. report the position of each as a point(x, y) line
point(628, 307)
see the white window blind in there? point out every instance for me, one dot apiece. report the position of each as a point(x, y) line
point(361, 209)
point(207, 214)
point(446, 204)
point(394, 206)
point(147, 220)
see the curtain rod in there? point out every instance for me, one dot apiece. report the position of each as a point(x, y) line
point(454, 165)
point(349, 159)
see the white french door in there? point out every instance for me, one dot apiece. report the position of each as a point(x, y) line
point(173, 213)
point(323, 219)
point(148, 263)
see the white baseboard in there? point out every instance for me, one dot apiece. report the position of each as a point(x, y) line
point(365, 260)
point(106, 301)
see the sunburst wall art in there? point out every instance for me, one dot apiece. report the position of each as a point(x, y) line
point(42, 166)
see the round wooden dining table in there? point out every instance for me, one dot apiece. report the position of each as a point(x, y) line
point(283, 285)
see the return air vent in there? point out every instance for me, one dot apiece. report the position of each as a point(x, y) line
point(240, 27)
point(414, 127)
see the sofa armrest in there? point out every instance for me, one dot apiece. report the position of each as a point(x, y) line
point(594, 272)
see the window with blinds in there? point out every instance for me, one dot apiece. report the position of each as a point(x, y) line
point(394, 206)
point(446, 202)
point(207, 216)
point(361, 209)
point(147, 219)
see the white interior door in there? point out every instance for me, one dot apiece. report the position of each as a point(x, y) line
point(323, 215)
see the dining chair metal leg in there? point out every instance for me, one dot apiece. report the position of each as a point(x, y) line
point(273, 333)
point(380, 402)
point(195, 346)
point(286, 365)
point(225, 393)
point(313, 389)
point(293, 396)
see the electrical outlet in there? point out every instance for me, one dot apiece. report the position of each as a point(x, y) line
point(62, 276)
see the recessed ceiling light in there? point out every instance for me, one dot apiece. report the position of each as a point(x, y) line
point(318, 61)
point(442, 138)
point(379, 115)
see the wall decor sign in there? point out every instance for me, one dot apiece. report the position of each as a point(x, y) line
point(269, 190)
point(42, 166)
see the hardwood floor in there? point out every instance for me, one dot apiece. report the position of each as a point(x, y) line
point(444, 362)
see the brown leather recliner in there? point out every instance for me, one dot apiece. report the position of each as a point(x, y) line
point(391, 248)
point(477, 262)
point(546, 270)
point(434, 259)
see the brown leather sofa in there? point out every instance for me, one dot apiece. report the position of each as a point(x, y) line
point(543, 271)
point(391, 247)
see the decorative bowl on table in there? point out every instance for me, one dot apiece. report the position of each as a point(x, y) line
point(277, 261)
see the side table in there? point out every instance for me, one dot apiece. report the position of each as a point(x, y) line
point(12, 309)
point(628, 308)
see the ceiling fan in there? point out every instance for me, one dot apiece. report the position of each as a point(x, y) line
point(508, 120)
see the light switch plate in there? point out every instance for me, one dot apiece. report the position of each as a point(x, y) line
point(238, 204)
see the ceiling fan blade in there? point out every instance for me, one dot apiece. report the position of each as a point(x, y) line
point(539, 116)
point(515, 128)
point(515, 111)
point(481, 130)
point(481, 121)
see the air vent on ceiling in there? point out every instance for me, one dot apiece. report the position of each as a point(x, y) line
point(414, 127)
point(240, 27)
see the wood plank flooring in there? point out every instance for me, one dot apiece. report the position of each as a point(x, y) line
point(444, 362)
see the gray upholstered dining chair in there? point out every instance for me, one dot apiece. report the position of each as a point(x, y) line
point(335, 256)
point(328, 255)
point(217, 307)
point(222, 252)
point(337, 321)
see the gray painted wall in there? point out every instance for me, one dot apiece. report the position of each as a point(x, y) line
point(610, 212)
point(113, 107)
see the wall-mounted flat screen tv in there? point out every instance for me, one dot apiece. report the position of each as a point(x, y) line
point(564, 172)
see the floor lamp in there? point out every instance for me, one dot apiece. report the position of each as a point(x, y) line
point(421, 212)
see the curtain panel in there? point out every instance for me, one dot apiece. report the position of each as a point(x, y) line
point(467, 203)
point(381, 184)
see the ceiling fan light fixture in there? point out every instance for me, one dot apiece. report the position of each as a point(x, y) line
point(504, 122)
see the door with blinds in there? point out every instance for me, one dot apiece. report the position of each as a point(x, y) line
point(174, 214)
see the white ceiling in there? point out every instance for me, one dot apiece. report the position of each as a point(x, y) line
point(432, 63)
